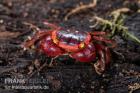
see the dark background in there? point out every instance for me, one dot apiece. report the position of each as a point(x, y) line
point(67, 76)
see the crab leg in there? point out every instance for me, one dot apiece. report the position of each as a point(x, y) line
point(52, 26)
point(103, 39)
point(31, 40)
point(98, 33)
point(100, 36)
point(104, 58)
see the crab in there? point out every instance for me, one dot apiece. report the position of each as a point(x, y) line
point(86, 47)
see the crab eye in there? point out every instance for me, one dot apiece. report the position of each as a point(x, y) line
point(55, 41)
point(82, 45)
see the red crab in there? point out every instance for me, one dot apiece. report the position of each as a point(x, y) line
point(80, 45)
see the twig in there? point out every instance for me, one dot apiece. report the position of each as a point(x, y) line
point(117, 13)
point(8, 34)
point(31, 26)
point(82, 7)
point(120, 10)
point(139, 11)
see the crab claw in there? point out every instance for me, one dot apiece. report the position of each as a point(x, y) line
point(50, 48)
point(87, 54)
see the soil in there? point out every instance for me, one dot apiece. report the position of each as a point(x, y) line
point(122, 76)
